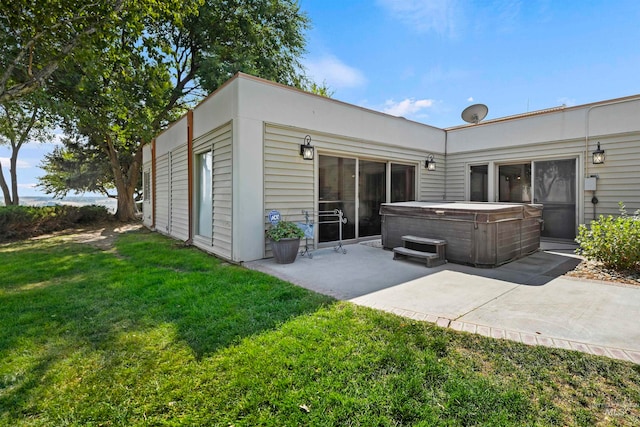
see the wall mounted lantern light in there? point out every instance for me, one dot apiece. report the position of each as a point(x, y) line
point(430, 164)
point(598, 155)
point(306, 149)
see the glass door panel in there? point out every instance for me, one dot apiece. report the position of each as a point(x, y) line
point(555, 189)
point(337, 190)
point(514, 183)
point(372, 188)
point(479, 184)
point(403, 183)
point(204, 202)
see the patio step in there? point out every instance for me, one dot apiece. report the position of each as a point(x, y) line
point(424, 240)
point(426, 244)
point(431, 259)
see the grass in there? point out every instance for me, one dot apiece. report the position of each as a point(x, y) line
point(153, 333)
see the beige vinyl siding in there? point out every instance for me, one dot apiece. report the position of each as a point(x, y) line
point(432, 183)
point(619, 176)
point(179, 193)
point(161, 205)
point(220, 141)
point(222, 194)
point(288, 179)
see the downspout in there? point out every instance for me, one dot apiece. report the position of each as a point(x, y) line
point(594, 200)
point(446, 135)
point(190, 176)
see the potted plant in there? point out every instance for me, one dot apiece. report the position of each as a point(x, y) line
point(285, 241)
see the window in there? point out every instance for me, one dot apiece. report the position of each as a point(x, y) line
point(146, 186)
point(204, 194)
point(515, 183)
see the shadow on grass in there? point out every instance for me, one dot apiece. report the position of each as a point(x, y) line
point(60, 298)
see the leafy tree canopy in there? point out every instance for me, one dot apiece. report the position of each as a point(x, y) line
point(147, 73)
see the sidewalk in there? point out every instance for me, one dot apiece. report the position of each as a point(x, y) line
point(527, 300)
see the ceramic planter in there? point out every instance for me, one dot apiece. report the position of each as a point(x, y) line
point(285, 251)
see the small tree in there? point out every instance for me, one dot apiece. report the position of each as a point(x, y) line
point(21, 121)
point(78, 167)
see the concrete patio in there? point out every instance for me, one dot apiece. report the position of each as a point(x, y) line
point(527, 300)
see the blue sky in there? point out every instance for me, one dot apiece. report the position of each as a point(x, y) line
point(428, 60)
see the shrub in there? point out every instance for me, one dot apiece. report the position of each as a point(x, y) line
point(93, 213)
point(614, 241)
point(19, 222)
point(285, 230)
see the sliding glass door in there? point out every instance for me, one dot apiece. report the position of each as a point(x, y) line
point(551, 183)
point(360, 199)
point(372, 190)
point(555, 189)
point(337, 190)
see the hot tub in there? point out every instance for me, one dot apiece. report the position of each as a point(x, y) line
point(478, 234)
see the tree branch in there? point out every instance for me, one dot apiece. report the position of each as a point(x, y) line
point(36, 80)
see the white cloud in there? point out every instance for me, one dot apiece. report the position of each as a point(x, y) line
point(425, 15)
point(28, 186)
point(407, 107)
point(20, 164)
point(334, 72)
point(470, 99)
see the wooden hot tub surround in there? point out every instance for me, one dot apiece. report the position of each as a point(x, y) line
point(478, 234)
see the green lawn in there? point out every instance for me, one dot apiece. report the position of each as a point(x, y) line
point(153, 333)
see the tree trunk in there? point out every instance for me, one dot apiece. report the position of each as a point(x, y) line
point(126, 205)
point(126, 180)
point(14, 175)
point(5, 189)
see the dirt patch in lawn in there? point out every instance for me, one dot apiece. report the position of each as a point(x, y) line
point(101, 236)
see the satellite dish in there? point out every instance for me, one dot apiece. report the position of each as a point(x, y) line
point(475, 113)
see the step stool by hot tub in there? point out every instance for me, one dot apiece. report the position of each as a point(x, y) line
point(422, 248)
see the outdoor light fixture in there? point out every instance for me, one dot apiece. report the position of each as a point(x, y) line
point(598, 155)
point(430, 164)
point(306, 149)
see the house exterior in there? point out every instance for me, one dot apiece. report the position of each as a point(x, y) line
point(213, 176)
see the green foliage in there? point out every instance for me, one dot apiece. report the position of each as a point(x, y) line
point(24, 120)
point(90, 214)
point(156, 333)
point(76, 166)
point(19, 222)
point(150, 68)
point(284, 230)
point(320, 89)
point(264, 38)
point(38, 38)
point(614, 241)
